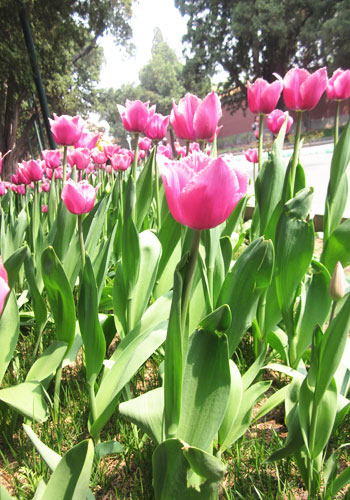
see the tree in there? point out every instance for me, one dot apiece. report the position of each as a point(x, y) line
point(163, 79)
point(256, 38)
point(65, 35)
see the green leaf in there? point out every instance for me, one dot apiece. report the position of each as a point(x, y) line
point(204, 464)
point(206, 389)
point(338, 484)
point(108, 448)
point(337, 247)
point(4, 494)
point(71, 477)
point(90, 328)
point(169, 237)
point(13, 265)
point(144, 189)
point(9, 331)
point(102, 261)
point(147, 412)
point(39, 306)
point(59, 295)
point(46, 365)
point(219, 320)
point(20, 227)
point(236, 392)
point(65, 226)
point(235, 218)
point(275, 400)
point(28, 399)
point(50, 457)
point(243, 285)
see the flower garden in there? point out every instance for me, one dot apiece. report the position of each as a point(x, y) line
point(148, 332)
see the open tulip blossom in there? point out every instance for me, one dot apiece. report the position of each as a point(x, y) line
point(201, 191)
point(263, 96)
point(79, 197)
point(66, 130)
point(302, 90)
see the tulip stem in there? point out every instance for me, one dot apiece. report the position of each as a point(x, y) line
point(334, 305)
point(81, 239)
point(187, 147)
point(121, 198)
point(136, 153)
point(157, 189)
point(261, 139)
point(336, 123)
point(92, 397)
point(187, 286)
point(295, 153)
point(64, 164)
point(56, 398)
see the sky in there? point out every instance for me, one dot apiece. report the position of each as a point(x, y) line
point(119, 68)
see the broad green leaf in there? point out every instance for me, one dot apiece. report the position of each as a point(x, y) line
point(39, 306)
point(206, 389)
point(337, 484)
point(108, 448)
point(50, 457)
point(235, 218)
point(250, 375)
point(9, 331)
point(278, 340)
point(243, 285)
point(93, 224)
point(90, 328)
point(119, 301)
point(20, 227)
point(130, 242)
point(204, 464)
point(46, 365)
point(324, 419)
point(28, 399)
point(147, 412)
point(4, 494)
point(71, 477)
point(65, 226)
point(169, 237)
point(219, 320)
point(14, 263)
point(226, 252)
point(236, 391)
point(144, 189)
point(337, 247)
point(59, 295)
point(102, 261)
point(275, 400)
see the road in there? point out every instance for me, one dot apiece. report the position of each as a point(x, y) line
point(316, 161)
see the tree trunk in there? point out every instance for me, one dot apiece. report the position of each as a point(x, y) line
point(18, 152)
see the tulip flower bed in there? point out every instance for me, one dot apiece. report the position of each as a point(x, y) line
point(155, 345)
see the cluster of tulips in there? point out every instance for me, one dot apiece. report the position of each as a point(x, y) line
point(173, 264)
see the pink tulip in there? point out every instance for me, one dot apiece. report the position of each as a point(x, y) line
point(263, 96)
point(276, 119)
point(98, 156)
point(302, 90)
point(52, 157)
point(22, 174)
point(33, 170)
point(338, 87)
point(165, 150)
point(141, 155)
point(2, 157)
point(145, 143)
point(156, 127)
point(87, 140)
point(4, 286)
point(180, 150)
point(135, 115)
point(201, 191)
point(79, 157)
point(79, 197)
point(66, 130)
point(2, 188)
point(252, 155)
point(45, 187)
point(44, 209)
point(194, 119)
point(111, 150)
point(121, 162)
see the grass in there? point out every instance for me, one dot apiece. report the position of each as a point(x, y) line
point(128, 475)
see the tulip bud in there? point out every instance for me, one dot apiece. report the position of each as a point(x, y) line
point(337, 284)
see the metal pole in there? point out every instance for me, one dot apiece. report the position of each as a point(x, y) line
point(36, 72)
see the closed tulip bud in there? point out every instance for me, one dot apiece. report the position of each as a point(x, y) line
point(263, 96)
point(52, 158)
point(34, 171)
point(66, 129)
point(338, 87)
point(338, 283)
point(303, 90)
point(276, 119)
point(252, 155)
point(157, 126)
point(145, 143)
point(79, 197)
point(80, 157)
point(201, 191)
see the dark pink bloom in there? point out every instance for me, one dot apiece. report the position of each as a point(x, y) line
point(2, 188)
point(87, 140)
point(66, 129)
point(157, 126)
point(252, 155)
point(302, 90)
point(201, 191)
point(98, 156)
point(52, 157)
point(22, 174)
point(45, 187)
point(338, 87)
point(121, 161)
point(194, 119)
point(276, 119)
point(165, 150)
point(145, 143)
point(141, 155)
point(79, 197)
point(44, 209)
point(263, 96)
point(4, 286)
point(33, 170)
point(135, 115)
point(80, 157)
